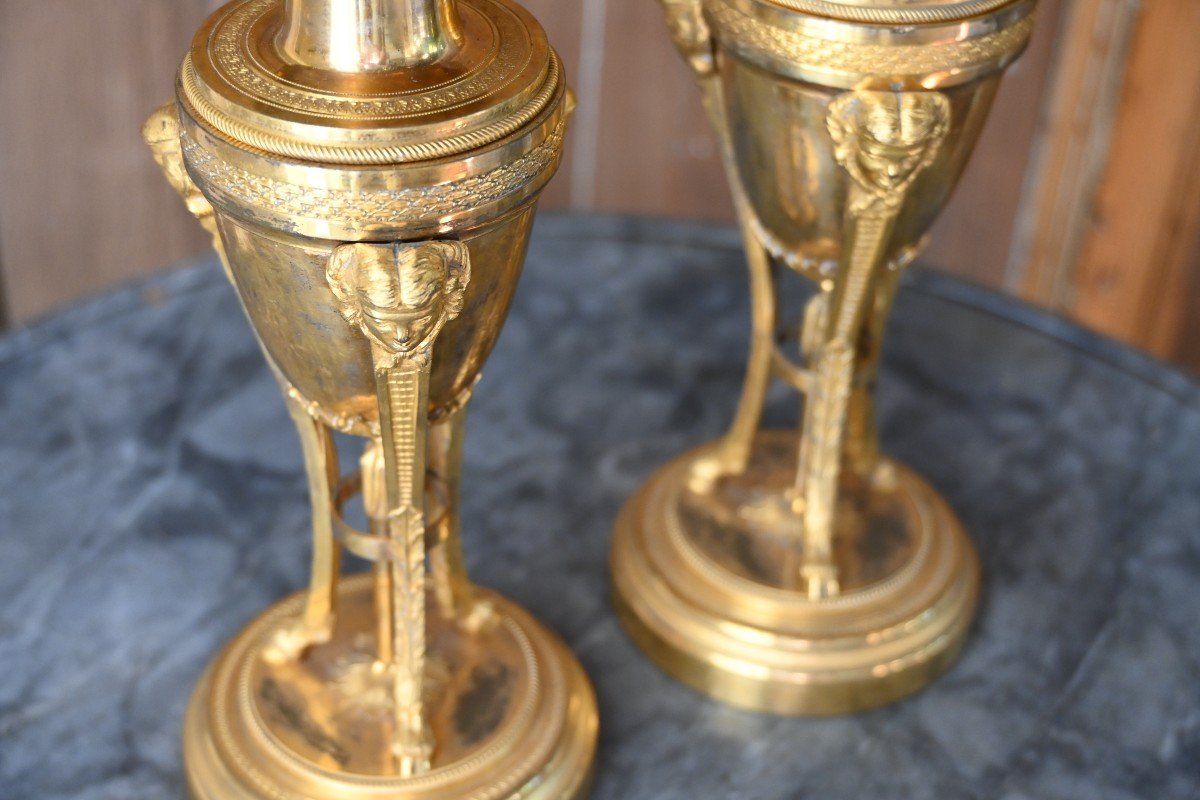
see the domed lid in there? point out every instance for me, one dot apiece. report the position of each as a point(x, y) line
point(368, 81)
point(896, 12)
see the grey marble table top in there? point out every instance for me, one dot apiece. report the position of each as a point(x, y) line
point(152, 501)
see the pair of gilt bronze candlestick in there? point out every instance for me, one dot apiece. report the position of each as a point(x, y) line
point(369, 171)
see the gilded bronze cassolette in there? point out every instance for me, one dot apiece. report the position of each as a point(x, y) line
point(803, 571)
point(368, 170)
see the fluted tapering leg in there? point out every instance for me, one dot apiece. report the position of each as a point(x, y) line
point(447, 567)
point(321, 466)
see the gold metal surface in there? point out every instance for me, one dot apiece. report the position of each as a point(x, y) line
point(346, 36)
point(804, 572)
point(369, 171)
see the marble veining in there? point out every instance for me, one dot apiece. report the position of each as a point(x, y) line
point(153, 502)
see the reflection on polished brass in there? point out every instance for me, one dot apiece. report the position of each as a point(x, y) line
point(369, 170)
point(804, 572)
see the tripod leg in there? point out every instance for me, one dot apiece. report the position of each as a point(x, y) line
point(321, 464)
point(732, 452)
point(825, 409)
point(884, 141)
point(399, 296)
point(862, 438)
point(447, 567)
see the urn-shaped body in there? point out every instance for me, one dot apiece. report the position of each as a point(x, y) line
point(283, 282)
point(780, 73)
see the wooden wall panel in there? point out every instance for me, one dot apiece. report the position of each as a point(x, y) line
point(1112, 223)
point(1071, 149)
point(657, 153)
point(1186, 347)
point(1138, 256)
point(4, 314)
point(974, 233)
point(562, 21)
point(81, 202)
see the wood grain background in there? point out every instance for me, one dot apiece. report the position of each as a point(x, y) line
point(82, 205)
